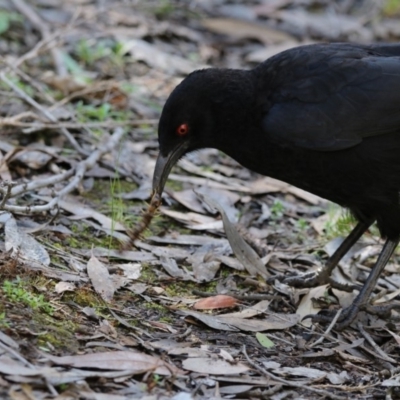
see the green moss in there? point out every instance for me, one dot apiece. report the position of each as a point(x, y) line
point(176, 186)
point(85, 298)
point(20, 291)
point(58, 333)
point(391, 7)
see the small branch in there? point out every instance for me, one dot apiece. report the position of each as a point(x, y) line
point(44, 30)
point(45, 112)
point(330, 327)
point(78, 173)
point(6, 194)
point(33, 185)
point(13, 121)
point(371, 341)
point(323, 393)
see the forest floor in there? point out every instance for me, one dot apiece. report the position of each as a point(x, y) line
point(178, 316)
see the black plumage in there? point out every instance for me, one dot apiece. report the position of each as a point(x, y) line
point(325, 118)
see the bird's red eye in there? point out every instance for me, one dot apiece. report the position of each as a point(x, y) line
point(182, 129)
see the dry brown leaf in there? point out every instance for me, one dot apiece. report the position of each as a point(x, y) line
point(215, 302)
point(311, 373)
point(62, 287)
point(271, 322)
point(244, 253)
point(81, 211)
point(135, 362)
point(251, 311)
point(193, 220)
point(213, 365)
point(156, 58)
point(306, 305)
point(23, 246)
point(246, 30)
point(100, 278)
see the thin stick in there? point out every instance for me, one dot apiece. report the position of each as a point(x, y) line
point(45, 112)
point(44, 30)
point(331, 325)
point(323, 393)
point(371, 341)
point(79, 173)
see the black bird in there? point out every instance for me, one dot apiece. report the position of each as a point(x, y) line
point(324, 117)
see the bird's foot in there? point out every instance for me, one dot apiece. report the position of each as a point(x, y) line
point(349, 314)
point(312, 279)
point(383, 311)
point(346, 317)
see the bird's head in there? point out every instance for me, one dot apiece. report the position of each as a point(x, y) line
point(196, 115)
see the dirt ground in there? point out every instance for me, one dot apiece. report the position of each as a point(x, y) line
point(178, 315)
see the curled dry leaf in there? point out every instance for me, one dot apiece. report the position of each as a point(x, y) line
point(100, 278)
point(133, 361)
point(244, 253)
point(306, 306)
point(23, 246)
point(211, 365)
point(214, 302)
point(62, 287)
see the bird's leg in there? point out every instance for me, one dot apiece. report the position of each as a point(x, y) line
point(322, 277)
point(360, 302)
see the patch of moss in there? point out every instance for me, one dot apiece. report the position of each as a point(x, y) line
point(176, 186)
point(21, 291)
point(58, 333)
point(85, 298)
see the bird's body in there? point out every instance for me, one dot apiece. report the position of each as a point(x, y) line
point(325, 118)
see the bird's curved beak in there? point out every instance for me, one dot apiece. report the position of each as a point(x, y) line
point(164, 165)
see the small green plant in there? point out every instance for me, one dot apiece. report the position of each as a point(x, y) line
point(277, 210)
point(3, 320)
point(88, 112)
point(6, 18)
point(89, 52)
point(391, 7)
point(164, 9)
point(340, 222)
point(17, 291)
point(19, 83)
point(79, 74)
point(302, 224)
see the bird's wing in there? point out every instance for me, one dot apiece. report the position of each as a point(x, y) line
point(330, 97)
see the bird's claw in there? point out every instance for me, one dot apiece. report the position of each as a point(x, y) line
point(347, 316)
point(382, 311)
point(312, 279)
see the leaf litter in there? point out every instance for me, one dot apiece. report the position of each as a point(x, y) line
point(82, 86)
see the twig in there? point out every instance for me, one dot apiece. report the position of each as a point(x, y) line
point(12, 121)
point(45, 112)
point(31, 82)
point(28, 364)
point(44, 30)
point(6, 194)
point(331, 325)
point(79, 173)
point(250, 297)
point(323, 393)
point(371, 341)
point(17, 190)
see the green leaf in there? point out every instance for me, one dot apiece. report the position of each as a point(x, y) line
point(264, 340)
